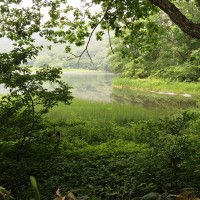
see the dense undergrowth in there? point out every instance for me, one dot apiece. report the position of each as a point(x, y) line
point(108, 159)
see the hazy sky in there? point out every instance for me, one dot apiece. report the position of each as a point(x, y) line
point(71, 2)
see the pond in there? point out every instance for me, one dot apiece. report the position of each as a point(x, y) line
point(85, 85)
point(97, 86)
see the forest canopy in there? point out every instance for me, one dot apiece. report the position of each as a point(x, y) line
point(156, 47)
point(59, 22)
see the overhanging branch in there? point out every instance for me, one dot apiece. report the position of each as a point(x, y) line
point(186, 25)
point(90, 36)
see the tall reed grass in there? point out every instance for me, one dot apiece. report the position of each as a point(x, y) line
point(85, 110)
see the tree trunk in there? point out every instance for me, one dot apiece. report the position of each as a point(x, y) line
point(178, 18)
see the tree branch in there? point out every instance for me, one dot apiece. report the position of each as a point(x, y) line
point(178, 18)
point(110, 43)
point(90, 36)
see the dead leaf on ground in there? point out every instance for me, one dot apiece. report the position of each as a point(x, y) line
point(70, 196)
point(58, 195)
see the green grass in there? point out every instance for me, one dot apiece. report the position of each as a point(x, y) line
point(70, 70)
point(81, 70)
point(157, 85)
point(85, 110)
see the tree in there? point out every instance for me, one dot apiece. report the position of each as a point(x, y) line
point(157, 46)
point(116, 15)
point(23, 108)
point(186, 25)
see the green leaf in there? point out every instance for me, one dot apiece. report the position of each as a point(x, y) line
point(35, 188)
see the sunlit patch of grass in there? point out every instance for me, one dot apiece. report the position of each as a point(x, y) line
point(85, 110)
point(157, 85)
point(81, 70)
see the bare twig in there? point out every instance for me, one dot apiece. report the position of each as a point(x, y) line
point(90, 57)
point(89, 5)
point(90, 36)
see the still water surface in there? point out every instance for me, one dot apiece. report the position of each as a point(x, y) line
point(85, 85)
point(90, 85)
point(97, 86)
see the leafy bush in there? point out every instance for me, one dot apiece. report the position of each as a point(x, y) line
point(22, 110)
point(186, 72)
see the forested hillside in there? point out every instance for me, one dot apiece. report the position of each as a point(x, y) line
point(54, 55)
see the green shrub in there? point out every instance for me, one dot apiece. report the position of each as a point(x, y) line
point(182, 73)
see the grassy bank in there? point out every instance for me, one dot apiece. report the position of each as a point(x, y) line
point(82, 70)
point(157, 85)
point(73, 70)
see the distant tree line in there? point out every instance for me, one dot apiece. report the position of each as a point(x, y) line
point(54, 55)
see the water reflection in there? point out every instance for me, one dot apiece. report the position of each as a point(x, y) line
point(147, 99)
point(90, 85)
point(97, 86)
point(86, 85)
